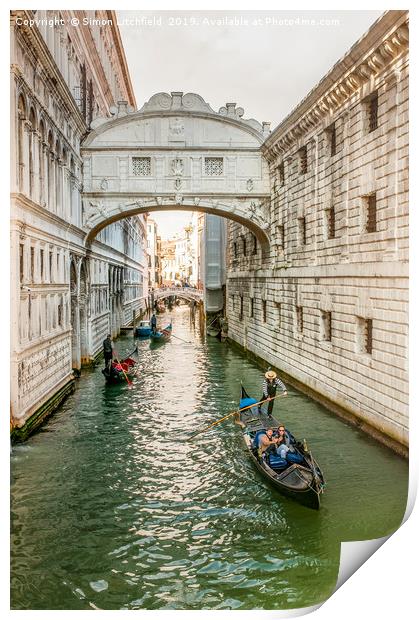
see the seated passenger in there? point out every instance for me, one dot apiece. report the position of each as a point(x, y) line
point(266, 442)
point(282, 443)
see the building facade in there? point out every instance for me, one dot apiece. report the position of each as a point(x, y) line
point(66, 294)
point(154, 255)
point(328, 304)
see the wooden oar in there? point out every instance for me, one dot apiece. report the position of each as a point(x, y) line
point(186, 341)
point(229, 415)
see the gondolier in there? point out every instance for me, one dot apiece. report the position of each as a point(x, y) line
point(269, 387)
point(107, 350)
point(153, 323)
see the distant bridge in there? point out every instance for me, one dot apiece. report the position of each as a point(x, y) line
point(184, 292)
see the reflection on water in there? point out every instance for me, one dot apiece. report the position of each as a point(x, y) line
point(112, 509)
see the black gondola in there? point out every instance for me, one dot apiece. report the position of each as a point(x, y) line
point(298, 476)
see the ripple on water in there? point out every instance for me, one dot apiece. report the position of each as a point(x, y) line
point(113, 501)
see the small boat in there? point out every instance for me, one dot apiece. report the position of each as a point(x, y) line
point(298, 475)
point(163, 335)
point(119, 372)
point(143, 330)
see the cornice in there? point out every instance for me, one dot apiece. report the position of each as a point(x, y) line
point(386, 41)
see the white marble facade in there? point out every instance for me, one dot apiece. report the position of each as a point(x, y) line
point(65, 294)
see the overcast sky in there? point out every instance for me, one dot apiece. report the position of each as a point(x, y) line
point(263, 63)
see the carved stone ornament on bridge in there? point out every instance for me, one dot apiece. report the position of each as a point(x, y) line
point(176, 129)
point(249, 185)
point(178, 184)
point(104, 185)
point(177, 167)
point(196, 201)
point(178, 199)
point(258, 215)
point(92, 210)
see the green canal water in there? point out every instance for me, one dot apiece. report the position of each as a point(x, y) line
point(110, 510)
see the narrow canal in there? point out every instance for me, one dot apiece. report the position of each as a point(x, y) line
point(111, 510)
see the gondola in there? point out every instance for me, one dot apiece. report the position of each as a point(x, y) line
point(119, 372)
point(298, 476)
point(159, 337)
point(143, 330)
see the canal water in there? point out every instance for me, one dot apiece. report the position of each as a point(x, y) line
point(112, 509)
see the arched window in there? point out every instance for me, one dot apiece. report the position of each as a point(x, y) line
point(41, 163)
point(20, 139)
point(50, 166)
point(31, 152)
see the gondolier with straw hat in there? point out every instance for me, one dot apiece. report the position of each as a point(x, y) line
point(269, 387)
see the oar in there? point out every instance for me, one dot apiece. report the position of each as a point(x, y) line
point(229, 415)
point(186, 341)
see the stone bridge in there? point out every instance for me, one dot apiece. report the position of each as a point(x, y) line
point(184, 292)
point(178, 153)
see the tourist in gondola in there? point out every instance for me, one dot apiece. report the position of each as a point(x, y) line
point(282, 443)
point(267, 442)
point(269, 387)
point(153, 323)
point(107, 350)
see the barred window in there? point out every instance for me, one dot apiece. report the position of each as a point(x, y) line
point(302, 231)
point(255, 245)
point(373, 112)
point(331, 223)
point(252, 308)
point(241, 307)
point(365, 335)
point(281, 236)
point(331, 133)
point(281, 174)
point(141, 166)
point(371, 213)
point(327, 325)
point(213, 166)
point(303, 160)
point(264, 310)
point(299, 319)
point(278, 310)
point(244, 246)
point(235, 249)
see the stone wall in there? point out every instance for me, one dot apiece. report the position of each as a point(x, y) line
point(329, 305)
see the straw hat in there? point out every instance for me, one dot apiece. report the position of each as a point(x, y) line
point(270, 375)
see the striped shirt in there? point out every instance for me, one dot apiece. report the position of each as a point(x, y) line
point(276, 382)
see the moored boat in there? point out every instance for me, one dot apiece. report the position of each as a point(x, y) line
point(143, 330)
point(162, 335)
point(297, 475)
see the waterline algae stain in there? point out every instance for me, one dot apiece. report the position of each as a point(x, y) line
point(111, 510)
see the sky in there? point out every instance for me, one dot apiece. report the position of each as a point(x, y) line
point(265, 61)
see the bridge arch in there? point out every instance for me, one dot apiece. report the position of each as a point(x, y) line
point(190, 294)
point(178, 153)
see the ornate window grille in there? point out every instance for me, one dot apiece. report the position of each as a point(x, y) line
point(213, 166)
point(141, 166)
